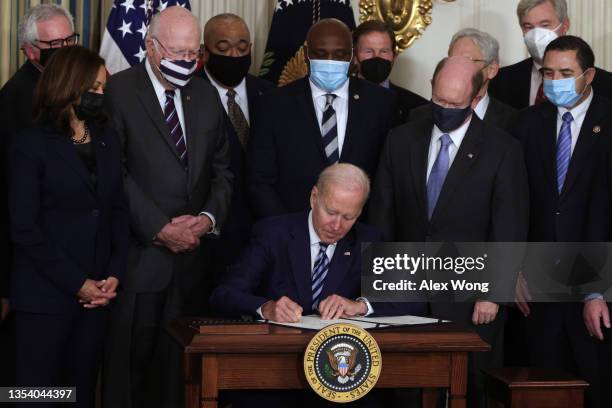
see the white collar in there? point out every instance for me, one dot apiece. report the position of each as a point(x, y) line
point(240, 89)
point(456, 135)
point(341, 92)
point(483, 104)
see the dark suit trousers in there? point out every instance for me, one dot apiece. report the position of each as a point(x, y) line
point(558, 339)
point(492, 333)
point(61, 350)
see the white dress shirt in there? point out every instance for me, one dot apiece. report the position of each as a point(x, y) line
point(578, 113)
point(456, 136)
point(241, 95)
point(536, 81)
point(340, 105)
point(483, 105)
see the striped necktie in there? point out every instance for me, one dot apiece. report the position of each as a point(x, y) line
point(319, 272)
point(564, 149)
point(174, 125)
point(329, 130)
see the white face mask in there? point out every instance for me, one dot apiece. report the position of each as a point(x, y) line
point(537, 39)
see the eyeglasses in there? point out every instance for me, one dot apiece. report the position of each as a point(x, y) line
point(60, 42)
point(180, 54)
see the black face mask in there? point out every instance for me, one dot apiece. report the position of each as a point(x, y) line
point(375, 69)
point(91, 107)
point(45, 54)
point(449, 119)
point(228, 70)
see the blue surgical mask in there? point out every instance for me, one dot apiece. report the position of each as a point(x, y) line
point(562, 92)
point(329, 75)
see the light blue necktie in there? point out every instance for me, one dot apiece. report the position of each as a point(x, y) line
point(564, 149)
point(319, 272)
point(438, 174)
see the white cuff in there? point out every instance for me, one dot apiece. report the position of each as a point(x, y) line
point(214, 229)
point(368, 305)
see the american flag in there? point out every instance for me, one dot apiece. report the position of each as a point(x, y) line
point(123, 40)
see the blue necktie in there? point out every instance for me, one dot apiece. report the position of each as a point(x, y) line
point(438, 174)
point(329, 130)
point(319, 272)
point(564, 149)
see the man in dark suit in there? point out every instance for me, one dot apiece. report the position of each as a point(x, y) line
point(304, 263)
point(375, 51)
point(276, 277)
point(178, 185)
point(561, 139)
point(520, 85)
point(313, 122)
point(43, 29)
point(227, 59)
point(455, 178)
point(483, 50)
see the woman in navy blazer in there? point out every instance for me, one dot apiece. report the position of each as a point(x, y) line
point(69, 224)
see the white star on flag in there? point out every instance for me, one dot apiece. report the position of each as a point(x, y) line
point(162, 5)
point(141, 54)
point(129, 5)
point(125, 28)
point(288, 2)
point(279, 6)
point(143, 30)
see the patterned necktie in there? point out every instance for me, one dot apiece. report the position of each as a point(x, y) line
point(236, 116)
point(174, 125)
point(438, 174)
point(319, 272)
point(329, 130)
point(564, 149)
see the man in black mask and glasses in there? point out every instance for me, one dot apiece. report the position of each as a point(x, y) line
point(374, 55)
point(43, 29)
point(227, 59)
point(452, 177)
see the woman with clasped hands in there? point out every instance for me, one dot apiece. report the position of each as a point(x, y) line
point(69, 223)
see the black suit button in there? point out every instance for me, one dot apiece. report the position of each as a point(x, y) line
point(95, 212)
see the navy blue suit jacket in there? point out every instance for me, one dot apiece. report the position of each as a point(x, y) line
point(64, 229)
point(277, 263)
point(286, 152)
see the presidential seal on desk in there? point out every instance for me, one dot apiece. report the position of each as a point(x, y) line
point(342, 362)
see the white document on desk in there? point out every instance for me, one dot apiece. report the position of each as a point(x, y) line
point(314, 322)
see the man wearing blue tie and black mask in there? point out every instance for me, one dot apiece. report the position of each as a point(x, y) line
point(313, 122)
point(451, 177)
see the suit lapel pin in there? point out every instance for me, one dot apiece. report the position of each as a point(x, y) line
point(596, 129)
point(102, 144)
point(356, 96)
point(347, 253)
point(188, 97)
point(471, 155)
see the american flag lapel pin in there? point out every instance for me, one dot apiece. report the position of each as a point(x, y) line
point(347, 253)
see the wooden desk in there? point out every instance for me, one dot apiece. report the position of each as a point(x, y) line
point(432, 356)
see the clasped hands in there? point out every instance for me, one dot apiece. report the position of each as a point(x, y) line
point(285, 310)
point(183, 233)
point(95, 293)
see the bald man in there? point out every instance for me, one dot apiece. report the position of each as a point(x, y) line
point(178, 184)
point(453, 178)
point(227, 59)
point(313, 122)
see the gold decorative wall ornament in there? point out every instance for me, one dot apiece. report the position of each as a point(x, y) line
point(407, 18)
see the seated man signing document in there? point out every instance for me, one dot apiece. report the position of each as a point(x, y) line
point(308, 262)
